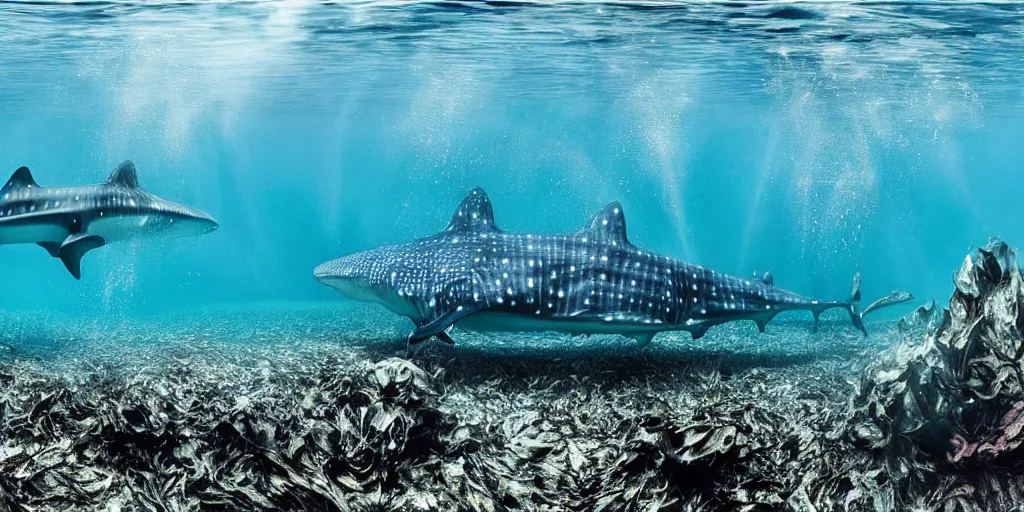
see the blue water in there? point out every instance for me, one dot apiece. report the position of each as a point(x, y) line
point(809, 139)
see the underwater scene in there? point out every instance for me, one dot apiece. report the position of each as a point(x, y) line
point(511, 255)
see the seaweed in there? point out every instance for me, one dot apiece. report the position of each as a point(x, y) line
point(927, 416)
point(214, 426)
point(945, 407)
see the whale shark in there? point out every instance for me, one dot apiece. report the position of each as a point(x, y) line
point(592, 281)
point(71, 221)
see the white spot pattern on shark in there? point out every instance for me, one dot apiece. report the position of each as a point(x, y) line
point(447, 284)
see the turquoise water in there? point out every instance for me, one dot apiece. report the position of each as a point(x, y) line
point(809, 139)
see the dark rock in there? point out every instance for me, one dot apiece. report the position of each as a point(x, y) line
point(951, 394)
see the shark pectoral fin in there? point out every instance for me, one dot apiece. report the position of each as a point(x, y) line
point(698, 331)
point(445, 337)
point(645, 338)
point(762, 321)
point(51, 247)
point(415, 337)
point(439, 326)
point(74, 247)
point(894, 298)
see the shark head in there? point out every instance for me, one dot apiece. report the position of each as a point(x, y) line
point(149, 216)
point(358, 276)
point(404, 278)
point(175, 220)
point(380, 276)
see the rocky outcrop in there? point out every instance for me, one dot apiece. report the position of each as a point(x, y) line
point(952, 392)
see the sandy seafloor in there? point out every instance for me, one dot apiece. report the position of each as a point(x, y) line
point(314, 407)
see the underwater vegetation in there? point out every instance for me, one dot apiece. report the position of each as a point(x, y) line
point(933, 424)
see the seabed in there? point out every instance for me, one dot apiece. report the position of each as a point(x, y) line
point(314, 407)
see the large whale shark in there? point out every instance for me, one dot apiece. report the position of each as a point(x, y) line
point(70, 221)
point(592, 281)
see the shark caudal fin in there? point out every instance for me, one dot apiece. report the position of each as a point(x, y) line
point(853, 306)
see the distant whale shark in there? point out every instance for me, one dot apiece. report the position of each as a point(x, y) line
point(70, 221)
point(592, 281)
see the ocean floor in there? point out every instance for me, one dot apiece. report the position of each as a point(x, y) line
point(315, 407)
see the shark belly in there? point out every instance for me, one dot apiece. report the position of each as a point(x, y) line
point(31, 233)
point(508, 322)
point(118, 228)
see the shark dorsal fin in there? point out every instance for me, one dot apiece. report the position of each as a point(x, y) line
point(609, 224)
point(124, 175)
point(22, 178)
point(768, 279)
point(474, 214)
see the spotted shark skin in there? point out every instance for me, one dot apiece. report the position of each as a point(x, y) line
point(71, 221)
point(593, 281)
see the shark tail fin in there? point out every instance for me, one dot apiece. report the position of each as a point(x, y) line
point(853, 305)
